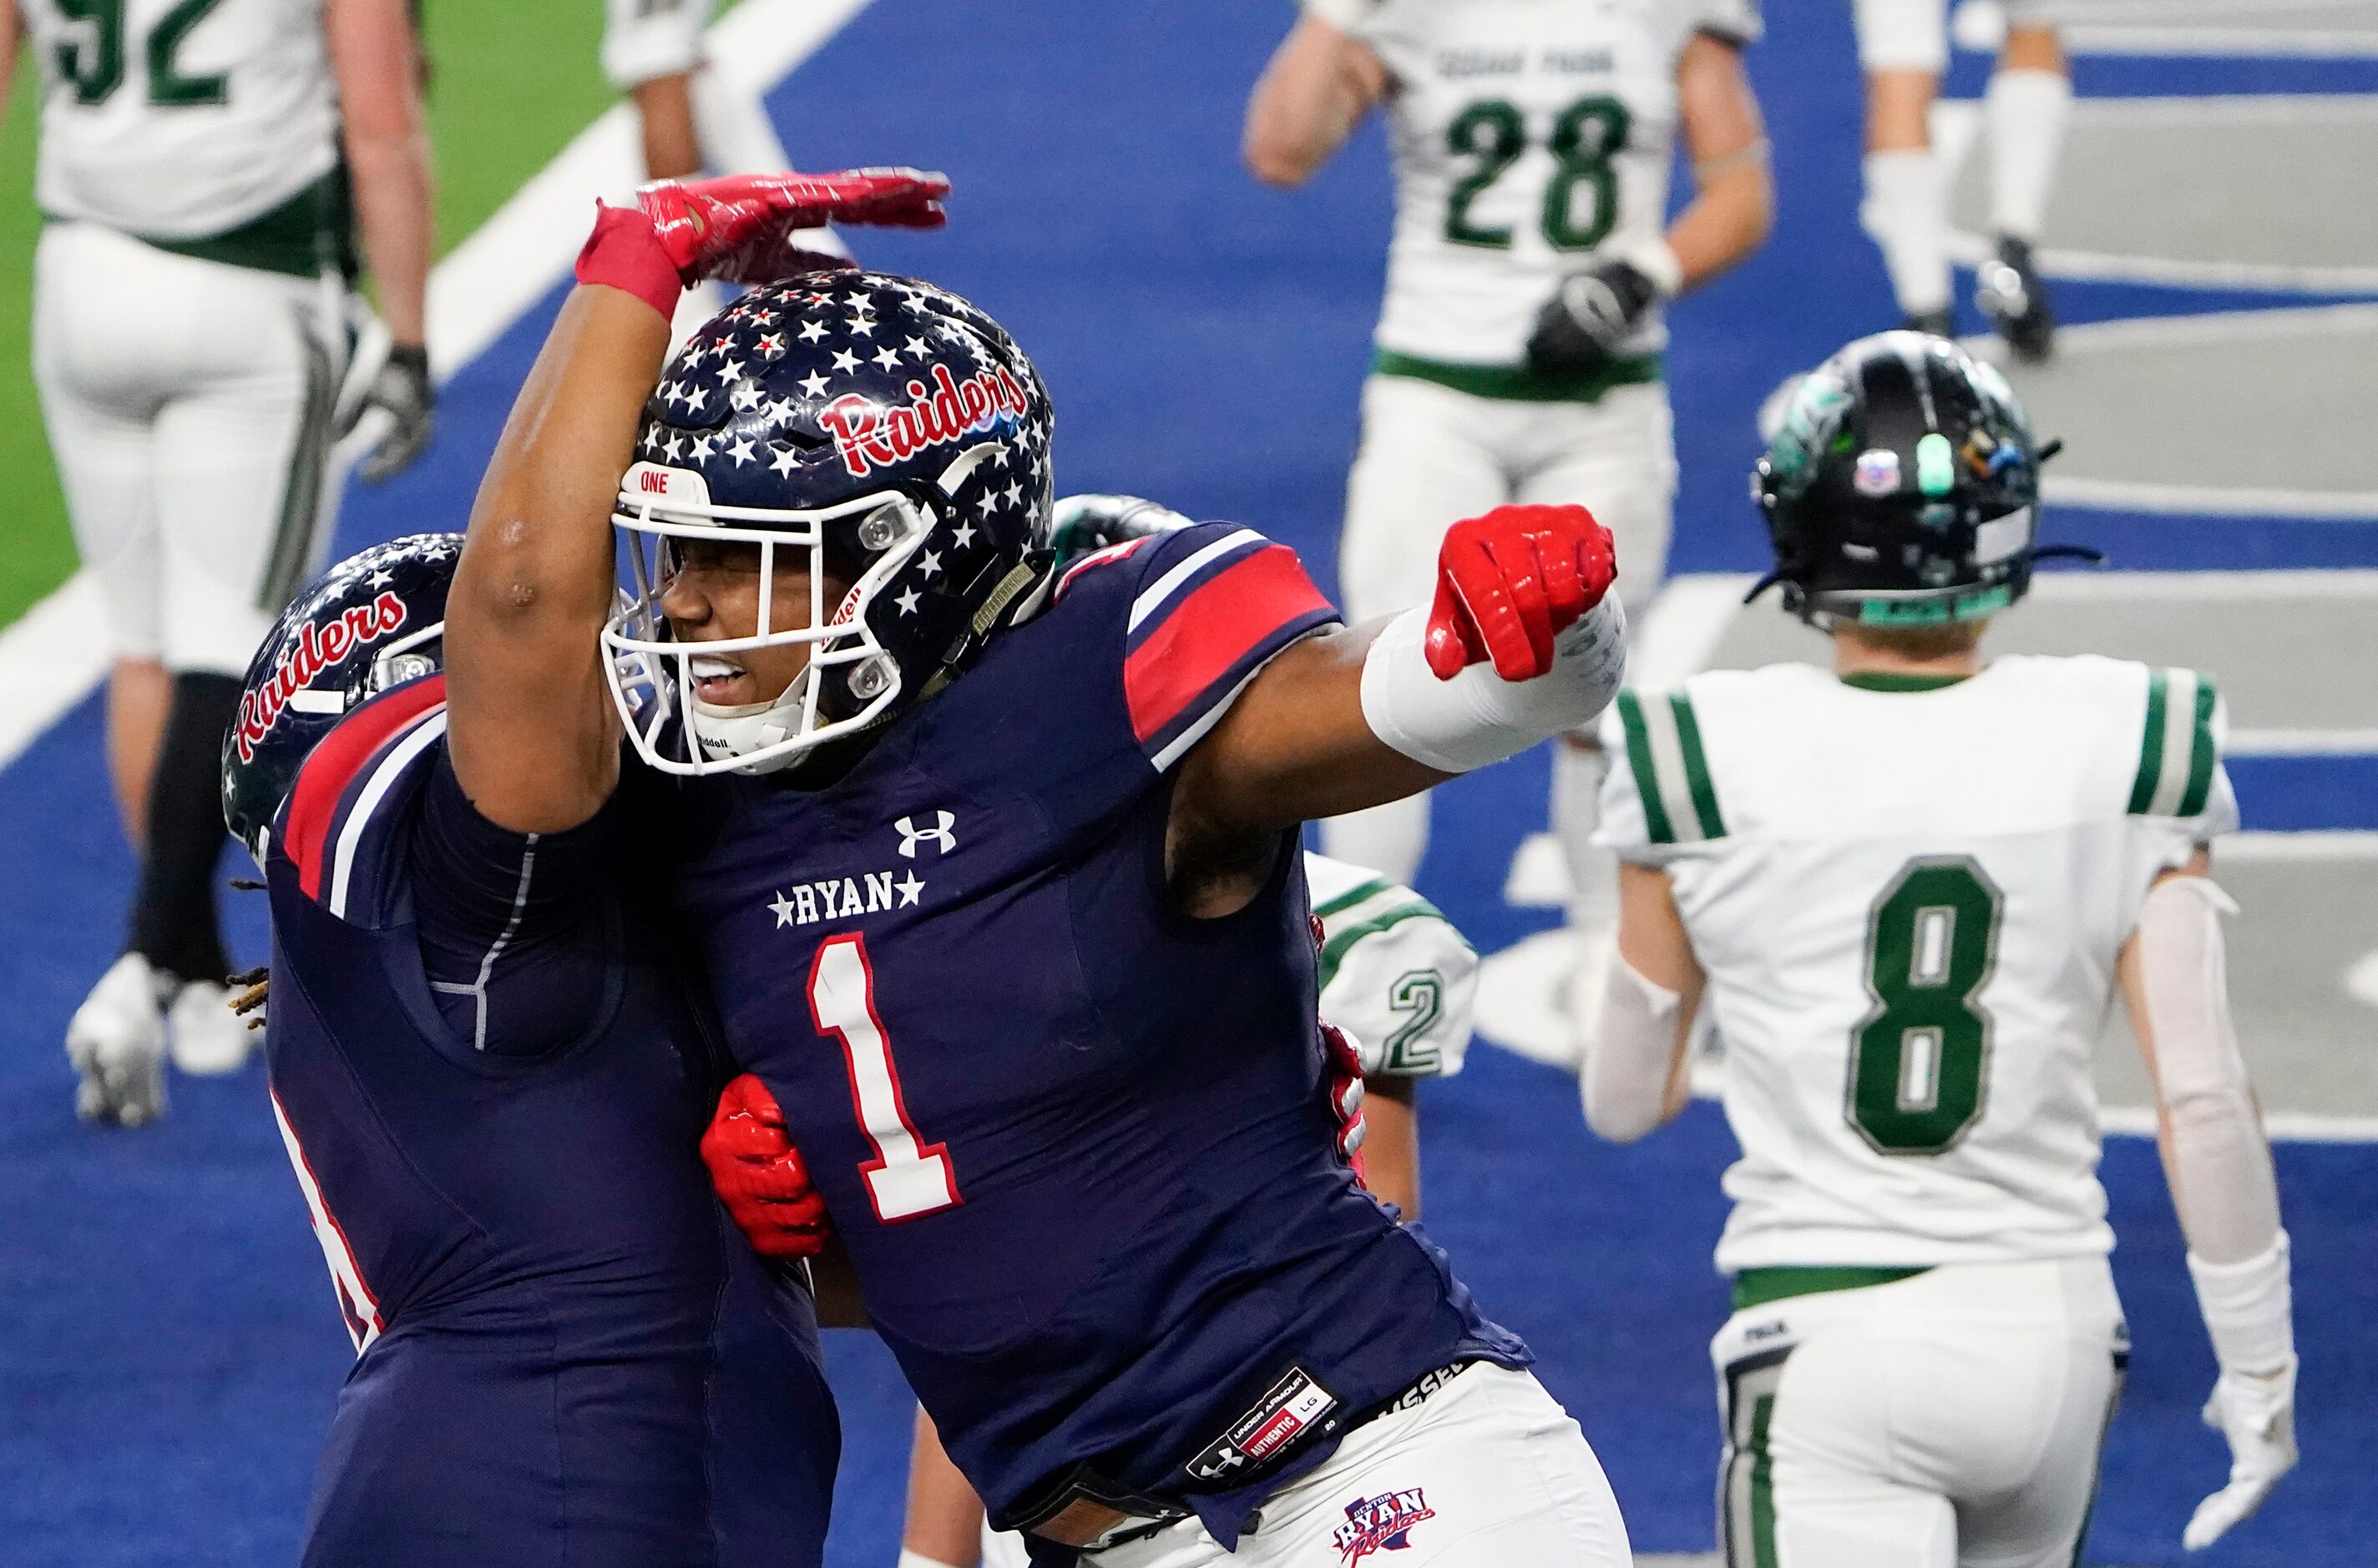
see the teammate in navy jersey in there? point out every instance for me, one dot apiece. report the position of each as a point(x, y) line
point(994, 873)
point(492, 1070)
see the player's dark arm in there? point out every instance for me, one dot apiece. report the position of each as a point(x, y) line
point(373, 57)
point(1522, 643)
point(1391, 1149)
point(529, 723)
point(1319, 84)
point(1734, 192)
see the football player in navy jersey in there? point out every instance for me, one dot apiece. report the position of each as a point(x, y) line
point(491, 1070)
point(994, 875)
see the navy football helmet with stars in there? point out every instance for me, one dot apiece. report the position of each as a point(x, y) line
point(892, 432)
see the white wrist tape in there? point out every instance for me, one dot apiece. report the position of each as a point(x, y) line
point(1626, 1063)
point(2249, 1311)
point(1658, 263)
point(1478, 717)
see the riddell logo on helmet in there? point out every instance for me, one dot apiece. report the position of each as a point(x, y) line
point(870, 436)
point(319, 648)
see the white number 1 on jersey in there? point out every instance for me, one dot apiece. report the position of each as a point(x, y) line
point(908, 1176)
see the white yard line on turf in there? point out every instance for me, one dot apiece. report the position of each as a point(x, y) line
point(2245, 42)
point(52, 657)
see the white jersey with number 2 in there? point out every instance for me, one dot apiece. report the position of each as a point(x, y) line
point(1529, 135)
point(1909, 904)
point(180, 119)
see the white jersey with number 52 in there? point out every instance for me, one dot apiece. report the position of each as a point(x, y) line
point(1529, 135)
point(180, 119)
point(1909, 904)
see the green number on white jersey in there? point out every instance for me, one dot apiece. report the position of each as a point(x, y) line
point(1420, 994)
point(1580, 200)
point(1918, 1060)
point(94, 63)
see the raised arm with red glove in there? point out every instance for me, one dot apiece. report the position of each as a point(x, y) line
point(1522, 641)
point(531, 726)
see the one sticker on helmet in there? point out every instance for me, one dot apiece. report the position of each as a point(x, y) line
point(1877, 472)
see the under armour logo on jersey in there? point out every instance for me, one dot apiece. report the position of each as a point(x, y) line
point(912, 835)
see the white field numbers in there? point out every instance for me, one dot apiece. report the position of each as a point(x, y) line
point(908, 1176)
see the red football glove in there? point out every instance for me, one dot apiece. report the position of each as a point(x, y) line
point(1510, 582)
point(738, 227)
point(760, 1176)
point(1346, 1093)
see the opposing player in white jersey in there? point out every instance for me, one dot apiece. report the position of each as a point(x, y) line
point(1903, 48)
point(1519, 352)
point(201, 167)
point(1908, 890)
point(1395, 976)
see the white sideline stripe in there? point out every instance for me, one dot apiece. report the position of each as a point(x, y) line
point(2284, 1126)
point(50, 660)
point(2209, 587)
point(2269, 848)
point(2276, 277)
point(2210, 500)
point(2303, 742)
point(2244, 42)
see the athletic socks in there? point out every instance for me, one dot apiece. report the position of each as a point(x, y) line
point(173, 924)
point(1906, 212)
point(2025, 112)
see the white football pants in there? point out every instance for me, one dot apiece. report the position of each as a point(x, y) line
point(1952, 1419)
point(187, 403)
point(1488, 1472)
point(1431, 457)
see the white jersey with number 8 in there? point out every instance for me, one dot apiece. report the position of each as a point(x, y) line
point(1529, 136)
point(1909, 904)
point(180, 119)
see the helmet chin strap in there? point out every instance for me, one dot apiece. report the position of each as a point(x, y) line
point(741, 728)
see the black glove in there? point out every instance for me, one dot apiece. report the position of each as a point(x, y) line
point(1579, 329)
point(401, 390)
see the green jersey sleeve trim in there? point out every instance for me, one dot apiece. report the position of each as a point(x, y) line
point(1341, 944)
point(1362, 893)
point(1671, 768)
point(2177, 754)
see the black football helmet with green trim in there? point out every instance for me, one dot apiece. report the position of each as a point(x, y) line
point(1901, 487)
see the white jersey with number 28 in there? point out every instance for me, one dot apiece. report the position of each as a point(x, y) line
point(1529, 135)
point(1909, 904)
point(180, 119)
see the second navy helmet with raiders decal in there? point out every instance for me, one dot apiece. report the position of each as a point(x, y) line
point(890, 431)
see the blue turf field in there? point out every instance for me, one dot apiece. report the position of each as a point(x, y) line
point(170, 1348)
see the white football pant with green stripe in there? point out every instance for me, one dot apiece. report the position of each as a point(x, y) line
point(189, 404)
point(1952, 1419)
point(1431, 457)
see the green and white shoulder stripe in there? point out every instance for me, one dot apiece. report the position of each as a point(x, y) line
point(1364, 910)
point(2177, 754)
point(1672, 772)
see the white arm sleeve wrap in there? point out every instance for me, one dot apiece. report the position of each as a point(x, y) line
point(1478, 717)
point(2223, 1184)
point(2226, 1196)
point(1627, 1062)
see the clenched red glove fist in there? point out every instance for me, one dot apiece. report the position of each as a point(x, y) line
point(738, 227)
point(1510, 582)
point(1346, 1091)
point(760, 1176)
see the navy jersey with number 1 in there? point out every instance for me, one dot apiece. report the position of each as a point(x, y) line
point(1074, 1138)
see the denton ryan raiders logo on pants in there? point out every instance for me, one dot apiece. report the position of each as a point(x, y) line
point(1380, 1523)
